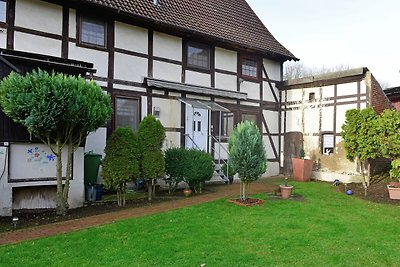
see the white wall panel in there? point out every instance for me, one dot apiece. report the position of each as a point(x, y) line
point(3, 38)
point(341, 115)
point(273, 69)
point(272, 119)
point(252, 89)
point(167, 46)
point(197, 78)
point(72, 23)
point(347, 89)
point(38, 15)
point(311, 120)
point(327, 119)
point(129, 68)
point(293, 121)
point(167, 71)
point(37, 44)
point(225, 81)
point(267, 92)
point(131, 38)
point(225, 59)
point(98, 58)
point(170, 110)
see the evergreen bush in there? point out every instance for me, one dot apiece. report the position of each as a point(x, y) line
point(151, 135)
point(199, 169)
point(120, 164)
point(175, 167)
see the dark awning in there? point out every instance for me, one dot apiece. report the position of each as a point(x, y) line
point(204, 104)
point(190, 88)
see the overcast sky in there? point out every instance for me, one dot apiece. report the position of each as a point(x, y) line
point(358, 33)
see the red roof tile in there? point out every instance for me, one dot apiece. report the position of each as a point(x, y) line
point(233, 21)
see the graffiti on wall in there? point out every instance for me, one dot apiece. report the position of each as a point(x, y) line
point(39, 158)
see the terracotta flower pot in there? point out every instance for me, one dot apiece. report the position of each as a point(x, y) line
point(286, 191)
point(187, 192)
point(302, 169)
point(394, 190)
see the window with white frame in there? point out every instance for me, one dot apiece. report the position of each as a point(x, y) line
point(328, 144)
point(92, 32)
point(227, 123)
point(3, 13)
point(127, 113)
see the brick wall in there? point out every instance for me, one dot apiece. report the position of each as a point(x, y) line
point(379, 100)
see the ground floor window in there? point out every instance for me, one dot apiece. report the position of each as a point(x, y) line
point(227, 123)
point(328, 143)
point(250, 117)
point(127, 112)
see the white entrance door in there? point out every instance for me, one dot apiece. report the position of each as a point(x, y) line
point(196, 128)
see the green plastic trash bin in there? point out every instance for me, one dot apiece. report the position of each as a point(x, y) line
point(91, 167)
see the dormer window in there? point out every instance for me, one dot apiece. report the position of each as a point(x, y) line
point(250, 67)
point(3, 7)
point(198, 56)
point(92, 32)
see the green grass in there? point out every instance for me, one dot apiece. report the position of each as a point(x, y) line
point(327, 229)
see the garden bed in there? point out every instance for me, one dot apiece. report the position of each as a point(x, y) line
point(29, 218)
point(376, 192)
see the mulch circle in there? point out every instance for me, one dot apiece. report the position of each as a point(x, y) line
point(248, 202)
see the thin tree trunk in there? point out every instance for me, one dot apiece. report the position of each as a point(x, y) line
point(59, 198)
point(68, 176)
point(149, 190)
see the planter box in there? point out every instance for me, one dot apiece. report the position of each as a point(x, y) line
point(394, 191)
point(302, 169)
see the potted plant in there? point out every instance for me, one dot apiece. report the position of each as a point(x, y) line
point(302, 168)
point(286, 190)
point(394, 187)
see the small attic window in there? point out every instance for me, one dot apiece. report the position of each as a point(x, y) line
point(311, 97)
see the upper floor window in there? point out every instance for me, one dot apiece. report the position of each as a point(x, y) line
point(3, 6)
point(92, 32)
point(198, 56)
point(250, 67)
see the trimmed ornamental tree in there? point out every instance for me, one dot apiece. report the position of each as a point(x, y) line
point(361, 135)
point(58, 109)
point(175, 167)
point(199, 169)
point(247, 155)
point(151, 135)
point(120, 164)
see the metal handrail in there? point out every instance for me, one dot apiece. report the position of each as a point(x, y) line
point(191, 139)
point(216, 140)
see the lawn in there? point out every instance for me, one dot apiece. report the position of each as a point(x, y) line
point(326, 229)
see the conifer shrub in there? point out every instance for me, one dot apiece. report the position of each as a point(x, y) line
point(247, 154)
point(151, 135)
point(175, 167)
point(199, 169)
point(120, 164)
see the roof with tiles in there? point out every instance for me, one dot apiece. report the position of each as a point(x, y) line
point(229, 21)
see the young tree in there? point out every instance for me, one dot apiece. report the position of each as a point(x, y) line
point(120, 164)
point(360, 132)
point(58, 109)
point(151, 135)
point(247, 154)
